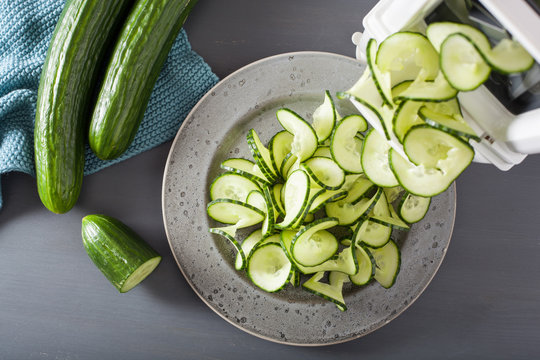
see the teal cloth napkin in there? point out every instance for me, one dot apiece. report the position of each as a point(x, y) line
point(26, 27)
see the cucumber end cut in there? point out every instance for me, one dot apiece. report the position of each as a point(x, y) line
point(140, 274)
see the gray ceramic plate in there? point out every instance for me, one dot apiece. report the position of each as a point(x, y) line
point(215, 130)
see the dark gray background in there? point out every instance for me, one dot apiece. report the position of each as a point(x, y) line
point(54, 304)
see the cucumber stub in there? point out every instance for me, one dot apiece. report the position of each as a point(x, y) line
point(122, 255)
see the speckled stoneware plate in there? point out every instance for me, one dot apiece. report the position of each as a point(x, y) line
point(216, 130)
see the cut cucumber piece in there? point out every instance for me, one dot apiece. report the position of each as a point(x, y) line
point(325, 172)
point(345, 261)
point(268, 267)
point(269, 221)
point(375, 160)
point(245, 168)
point(361, 188)
point(366, 266)
point(436, 90)
point(381, 79)
point(413, 208)
point(324, 118)
point(387, 263)
point(461, 63)
point(232, 186)
point(326, 196)
point(305, 139)
point(312, 245)
point(288, 162)
point(347, 213)
point(400, 87)
point(118, 252)
point(371, 234)
point(276, 199)
point(507, 57)
point(261, 155)
point(345, 146)
point(452, 124)
point(425, 181)
point(323, 151)
point(229, 211)
point(249, 242)
point(256, 198)
point(408, 55)
point(295, 199)
point(279, 146)
point(405, 117)
point(332, 291)
point(434, 148)
point(240, 255)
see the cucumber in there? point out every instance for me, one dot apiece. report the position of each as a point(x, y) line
point(232, 185)
point(311, 246)
point(462, 64)
point(413, 208)
point(118, 252)
point(305, 139)
point(75, 57)
point(136, 61)
point(324, 118)
point(452, 124)
point(366, 266)
point(324, 172)
point(387, 264)
point(345, 147)
point(331, 291)
point(245, 168)
point(375, 160)
point(268, 267)
point(381, 79)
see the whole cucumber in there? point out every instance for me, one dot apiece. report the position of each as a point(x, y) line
point(142, 48)
point(75, 56)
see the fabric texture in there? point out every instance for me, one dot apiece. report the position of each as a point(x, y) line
point(26, 28)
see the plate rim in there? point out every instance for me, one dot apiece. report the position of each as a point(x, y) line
point(238, 326)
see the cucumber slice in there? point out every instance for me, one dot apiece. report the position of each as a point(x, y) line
point(407, 55)
point(324, 118)
point(276, 199)
point(387, 264)
point(269, 221)
point(345, 261)
point(244, 168)
point(279, 146)
point(261, 155)
point(312, 245)
point(256, 198)
point(295, 199)
point(435, 148)
point(249, 242)
point(393, 193)
point(118, 252)
point(436, 90)
point(305, 139)
point(452, 124)
point(239, 251)
point(375, 160)
point(381, 79)
point(461, 63)
point(325, 172)
point(427, 181)
point(371, 234)
point(506, 57)
point(413, 208)
point(229, 211)
point(361, 188)
point(400, 87)
point(288, 162)
point(323, 151)
point(332, 291)
point(325, 196)
point(268, 267)
point(366, 266)
point(232, 186)
point(314, 249)
point(405, 117)
point(344, 146)
point(347, 213)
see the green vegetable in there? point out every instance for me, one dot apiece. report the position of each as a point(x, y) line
point(121, 255)
point(78, 46)
point(142, 48)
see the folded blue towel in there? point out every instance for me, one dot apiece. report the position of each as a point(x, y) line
point(26, 27)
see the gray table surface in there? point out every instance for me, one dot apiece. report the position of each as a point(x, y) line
point(54, 304)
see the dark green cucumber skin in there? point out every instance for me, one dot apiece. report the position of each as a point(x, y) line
point(114, 248)
point(75, 56)
point(136, 62)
